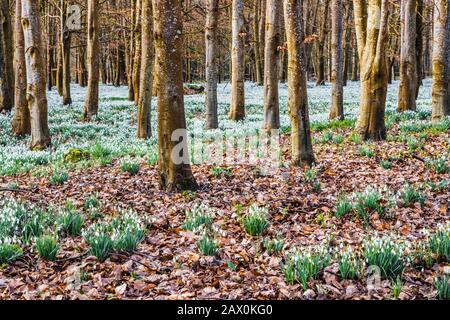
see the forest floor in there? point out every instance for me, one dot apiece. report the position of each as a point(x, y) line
point(407, 177)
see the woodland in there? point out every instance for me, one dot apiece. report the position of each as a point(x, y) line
point(225, 149)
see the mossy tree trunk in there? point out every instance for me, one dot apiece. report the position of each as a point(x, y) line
point(91, 103)
point(211, 43)
point(21, 121)
point(146, 83)
point(408, 58)
point(6, 58)
point(337, 61)
point(441, 61)
point(35, 70)
point(371, 28)
point(237, 110)
point(271, 65)
point(173, 155)
point(302, 151)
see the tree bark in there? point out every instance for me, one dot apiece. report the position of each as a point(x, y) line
point(337, 55)
point(441, 61)
point(302, 151)
point(91, 103)
point(271, 57)
point(256, 44)
point(35, 70)
point(6, 58)
point(146, 84)
point(21, 121)
point(174, 164)
point(237, 110)
point(371, 35)
point(211, 40)
point(408, 62)
point(137, 52)
point(65, 40)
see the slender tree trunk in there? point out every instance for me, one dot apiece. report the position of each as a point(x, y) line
point(21, 121)
point(419, 43)
point(59, 69)
point(211, 43)
point(408, 65)
point(371, 27)
point(146, 84)
point(35, 70)
point(441, 61)
point(237, 111)
point(91, 103)
point(302, 151)
point(137, 52)
point(337, 55)
point(6, 58)
point(174, 164)
point(82, 65)
point(256, 44)
point(65, 40)
point(273, 40)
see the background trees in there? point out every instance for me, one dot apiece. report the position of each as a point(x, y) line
point(234, 41)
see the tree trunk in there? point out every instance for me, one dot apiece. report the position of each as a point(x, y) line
point(91, 103)
point(302, 152)
point(256, 44)
point(65, 40)
point(146, 84)
point(174, 163)
point(271, 56)
point(21, 121)
point(211, 40)
point(35, 70)
point(237, 110)
point(59, 69)
point(137, 52)
point(6, 58)
point(337, 55)
point(371, 34)
point(408, 65)
point(441, 61)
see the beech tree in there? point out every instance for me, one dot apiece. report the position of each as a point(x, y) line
point(441, 61)
point(35, 71)
point(211, 44)
point(173, 156)
point(91, 103)
point(21, 121)
point(65, 47)
point(6, 58)
point(408, 63)
point(146, 83)
point(371, 32)
point(271, 57)
point(237, 109)
point(337, 61)
point(302, 151)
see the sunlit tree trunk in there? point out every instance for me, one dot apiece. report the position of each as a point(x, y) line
point(337, 63)
point(91, 103)
point(146, 84)
point(271, 56)
point(137, 52)
point(302, 151)
point(408, 63)
point(6, 58)
point(441, 61)
point(371, 29)
point(173, 157)
point(211, 40)
point(21, 121)
point(35, 70)
point(237, 110)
